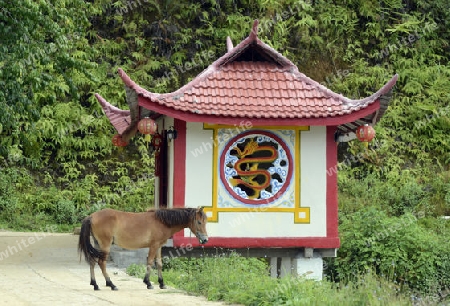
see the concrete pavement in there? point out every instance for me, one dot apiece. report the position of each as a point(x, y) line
point(45, 269)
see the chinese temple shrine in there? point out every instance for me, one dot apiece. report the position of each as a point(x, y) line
point(252, 139)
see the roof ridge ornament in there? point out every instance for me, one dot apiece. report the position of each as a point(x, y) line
point(254, 32)
point(229, 44)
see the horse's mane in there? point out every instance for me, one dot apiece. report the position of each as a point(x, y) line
point(175, 216)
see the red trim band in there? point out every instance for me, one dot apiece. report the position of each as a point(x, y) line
point(332, 191)
point(179, 164)
point(249, 242)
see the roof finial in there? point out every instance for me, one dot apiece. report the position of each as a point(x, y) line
point(229, 43)
point(254, 32)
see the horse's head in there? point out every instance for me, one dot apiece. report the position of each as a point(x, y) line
point(198, 226)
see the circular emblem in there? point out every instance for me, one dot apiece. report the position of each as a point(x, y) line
point(256, 167)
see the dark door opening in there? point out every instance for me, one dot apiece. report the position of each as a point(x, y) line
point(163, 171)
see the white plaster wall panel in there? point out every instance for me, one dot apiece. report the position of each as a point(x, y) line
point(199, 165)
point(314, 177)
point(261, 225)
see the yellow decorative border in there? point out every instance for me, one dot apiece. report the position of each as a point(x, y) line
point(301, 214)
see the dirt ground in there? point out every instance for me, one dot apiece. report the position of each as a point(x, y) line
point(45, 269)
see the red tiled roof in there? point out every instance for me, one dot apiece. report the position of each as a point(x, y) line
point(253, 81)
point(256, 90)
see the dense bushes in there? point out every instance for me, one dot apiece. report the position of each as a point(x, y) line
point(398, 194)
point(30, 201)
point(393, 226)
point(401, 249)
point(8, 201)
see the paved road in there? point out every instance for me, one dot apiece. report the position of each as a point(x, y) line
point(44, 269)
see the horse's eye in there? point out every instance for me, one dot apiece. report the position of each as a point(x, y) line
point(198, 222)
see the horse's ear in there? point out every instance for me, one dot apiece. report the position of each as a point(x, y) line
point(200, 209)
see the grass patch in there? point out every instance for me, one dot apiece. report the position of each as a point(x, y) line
point(236, 279)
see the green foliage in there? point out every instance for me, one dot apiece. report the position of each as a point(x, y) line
point(137, 270)
point(7, 190)
point(213, 278)
point(65, 212)
point(396, 195)
point(66, 200)
point(365, 290)
point(400, 249)
point(245, 281)
point(32, 75)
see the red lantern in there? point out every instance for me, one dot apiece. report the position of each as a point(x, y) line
point(147, 127)
point(118, 141)
point(365, 133)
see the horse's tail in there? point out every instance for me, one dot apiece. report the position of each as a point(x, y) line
point(90, 253)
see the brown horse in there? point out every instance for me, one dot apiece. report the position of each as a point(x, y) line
point(136, 230)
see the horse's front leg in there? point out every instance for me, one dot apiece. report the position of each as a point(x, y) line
point(150, 260)
point(159, 266)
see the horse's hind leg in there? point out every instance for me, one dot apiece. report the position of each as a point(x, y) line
point(93, 282)
point(159, 266)
point(102, 264)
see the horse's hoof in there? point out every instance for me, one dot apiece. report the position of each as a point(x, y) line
point(114, 288)
point(96, 288)
point(149, 286)
point(163, 287)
